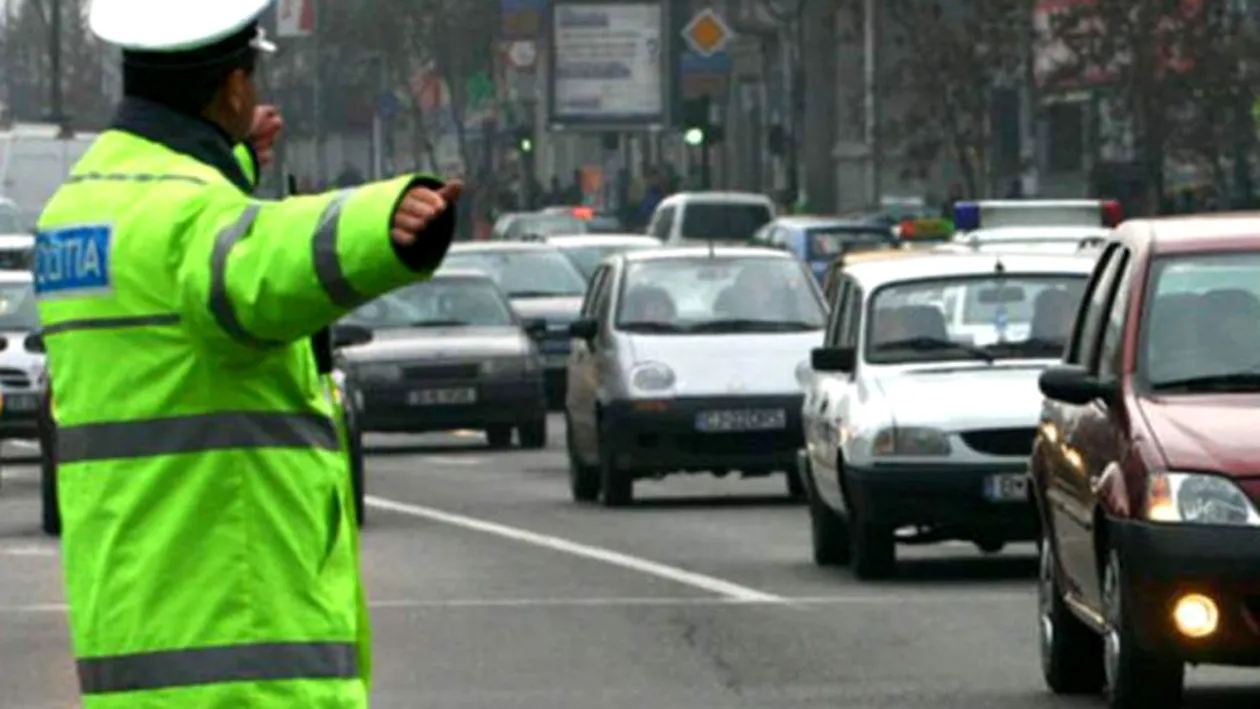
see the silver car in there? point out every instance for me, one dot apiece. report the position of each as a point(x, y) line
point(448, 354)
point(586, 251)
point(21, 359)
point(686, 360)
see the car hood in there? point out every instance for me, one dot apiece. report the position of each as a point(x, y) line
point(1215, 432)
point(564, 309)
point(723, 365)
point(440, 343)
point(965, 398)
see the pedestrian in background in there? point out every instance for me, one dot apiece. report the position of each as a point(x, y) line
point(209, 542)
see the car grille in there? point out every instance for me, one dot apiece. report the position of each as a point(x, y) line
point(14, 379)
point(441, 372)
point(1001, 441)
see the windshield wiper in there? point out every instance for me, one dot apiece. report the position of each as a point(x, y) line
point(648, 326)
point(1230, 381)
point(540, 294)
point(928, 344)
point(750, 325)
point(441, 323)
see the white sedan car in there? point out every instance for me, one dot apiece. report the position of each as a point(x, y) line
point(914, 428)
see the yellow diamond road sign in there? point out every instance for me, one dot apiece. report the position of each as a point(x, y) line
point(707, 34)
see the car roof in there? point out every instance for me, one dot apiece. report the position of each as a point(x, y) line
point(701, 252)
point(731, 197)
point(1197, 233)
point(1030, 234)
point(803, 221)
point(466, 247)
point(598, 239)
point(461, 274)
point(927, 264)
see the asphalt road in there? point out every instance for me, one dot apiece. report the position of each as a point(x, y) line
point(492, 591)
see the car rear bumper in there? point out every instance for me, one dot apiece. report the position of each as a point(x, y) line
point(1162, 562)
point(942, 496)
point(650, 437)
point(510, 403)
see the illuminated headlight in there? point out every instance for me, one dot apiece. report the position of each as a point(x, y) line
point(501, 366)
point(652, 376)
point(372, 371)
point(910, 441)
point(1195, 498)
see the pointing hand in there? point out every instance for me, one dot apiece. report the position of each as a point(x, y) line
point(419, 207)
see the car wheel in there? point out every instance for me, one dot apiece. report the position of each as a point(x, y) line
point(499, 437)
point(795, 486)
point(533, 435)
point(828, 531)
point(1135, 678)
point(872, 546)
point(1071, 653)
point(616, 485)
point(583, 479)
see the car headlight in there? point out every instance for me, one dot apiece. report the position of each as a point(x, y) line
point(1195, 498)
point(374, 371)
point(652, 376)
point(500, 366)
point(910, 441)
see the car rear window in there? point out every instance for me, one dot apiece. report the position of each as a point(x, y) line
point(723, 221)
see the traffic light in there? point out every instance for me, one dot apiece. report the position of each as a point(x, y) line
point(696, 120)
point(525, 139)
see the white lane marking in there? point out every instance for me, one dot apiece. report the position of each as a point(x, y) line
point(718, 586)
point(451, 460)
point(891, 599)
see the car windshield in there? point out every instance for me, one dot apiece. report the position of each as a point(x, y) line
point(1024, 316)
point(828, 242)
point(588, 258)
point(723, 221)
point(545, 225)
point(1184, 351)
point(524, 273)
point(17, 308)
point(10, 220)
point(722, 295)
point(443, 302)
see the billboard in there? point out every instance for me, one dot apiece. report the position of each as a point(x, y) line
point(608, 66)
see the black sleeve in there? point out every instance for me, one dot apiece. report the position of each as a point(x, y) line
point(426, 254)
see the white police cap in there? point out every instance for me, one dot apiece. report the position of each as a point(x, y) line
point(174, 25)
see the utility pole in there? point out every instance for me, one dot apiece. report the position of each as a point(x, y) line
point(57, 110)
point(871, 20)
point(317, 95)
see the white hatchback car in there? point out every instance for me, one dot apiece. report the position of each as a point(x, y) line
point(910, 425)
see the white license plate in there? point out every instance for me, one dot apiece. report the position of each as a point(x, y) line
point(1012, 487)
point(442, 397)
point(21, 402)
point(741, 420)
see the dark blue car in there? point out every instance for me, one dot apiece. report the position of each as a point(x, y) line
point(819, 240)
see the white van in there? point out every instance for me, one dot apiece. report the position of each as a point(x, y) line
point(725, 218)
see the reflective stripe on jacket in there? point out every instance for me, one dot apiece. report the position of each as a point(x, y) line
point(209, 543)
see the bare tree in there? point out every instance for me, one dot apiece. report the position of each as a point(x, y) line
point(27, 40)
point(946, 60)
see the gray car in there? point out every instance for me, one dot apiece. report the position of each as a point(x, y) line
point(449, 354)
point(688, 360)
point(21, 362)
point(542, 284)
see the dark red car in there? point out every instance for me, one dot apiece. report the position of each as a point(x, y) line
point(1146, 469)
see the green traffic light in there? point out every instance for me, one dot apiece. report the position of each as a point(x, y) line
point(527, 145)
point(693, 137)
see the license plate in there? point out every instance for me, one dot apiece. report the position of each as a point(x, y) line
point(1012, 487)
point(20, 402)
point(741, 420)
point(442, 397)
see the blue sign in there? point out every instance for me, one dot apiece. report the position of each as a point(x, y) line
point(387, 104)
point(73, 260)
point(719, 63)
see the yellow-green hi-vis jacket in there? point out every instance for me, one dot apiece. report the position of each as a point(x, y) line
point(209, 547)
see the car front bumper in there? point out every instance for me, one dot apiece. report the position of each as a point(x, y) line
point(388, 408)
point(661, 435)
point(1162, 562)
point(942, 496)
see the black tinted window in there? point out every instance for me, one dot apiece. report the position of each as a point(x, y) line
point(723, 221)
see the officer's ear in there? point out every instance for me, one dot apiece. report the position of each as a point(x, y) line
point(239, 98)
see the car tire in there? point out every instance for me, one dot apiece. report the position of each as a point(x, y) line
point(1071, 652)
point(533, 435)
point(795, 486)
point(583, 479)
point(1135, 678)
point(616, 486)
point(828, 531)
point(499, 437)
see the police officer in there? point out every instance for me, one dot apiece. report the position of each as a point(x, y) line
point(209, 546)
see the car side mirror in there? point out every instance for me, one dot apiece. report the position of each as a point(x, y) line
point(584, 329)
point(347, 335)
point(535, 328)
point(34, 343)
point(833, 359)
point(1073, 384)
